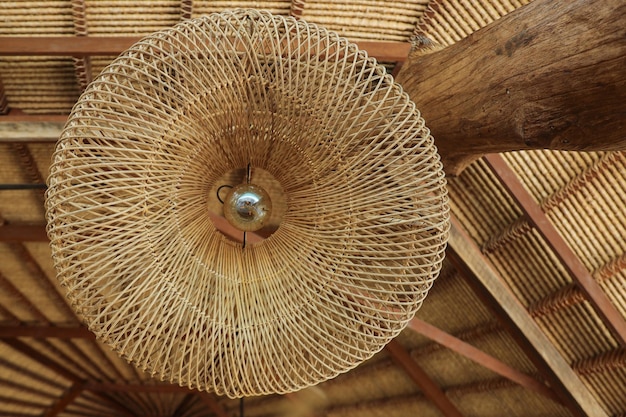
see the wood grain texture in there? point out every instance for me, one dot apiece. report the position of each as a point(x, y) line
point(550, 75)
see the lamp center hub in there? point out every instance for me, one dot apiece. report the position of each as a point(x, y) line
point(247, 207)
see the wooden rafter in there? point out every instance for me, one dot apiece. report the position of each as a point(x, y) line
point(70, 395)
point(489, 286)
point(42, 332)
point(521, 226)
point(430, 389)
point(114, 45)
point(607, 312)
point(37, 233)
point(478, 356)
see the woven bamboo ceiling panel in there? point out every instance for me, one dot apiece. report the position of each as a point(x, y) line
point(144, 260)
point(50, 364)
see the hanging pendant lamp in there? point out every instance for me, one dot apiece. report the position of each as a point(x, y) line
point(324, 167)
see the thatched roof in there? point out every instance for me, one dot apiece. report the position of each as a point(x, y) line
point(534, 318)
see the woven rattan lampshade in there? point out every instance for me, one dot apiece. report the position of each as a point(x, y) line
point(138, 242)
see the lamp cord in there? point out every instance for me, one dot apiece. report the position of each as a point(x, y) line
point(241, 407)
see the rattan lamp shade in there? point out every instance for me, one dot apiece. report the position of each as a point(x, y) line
point(135, 242)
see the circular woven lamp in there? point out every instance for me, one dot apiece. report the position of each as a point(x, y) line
point(289, 126)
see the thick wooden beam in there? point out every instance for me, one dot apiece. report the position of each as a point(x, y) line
point(600, 302)
point(430, 389)
point(489, 286)
point(386, 51)
point(478, 356)
point(31, 129)
point(548, 75)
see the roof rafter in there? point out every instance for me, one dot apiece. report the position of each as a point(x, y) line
point(490, 287)
point(430, 389)
point(602, 305)
point(41, 332)
point(70, 395)
point(480, 357)
point(385, 51)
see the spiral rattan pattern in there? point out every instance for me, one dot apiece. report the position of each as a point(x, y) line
point(360, 242)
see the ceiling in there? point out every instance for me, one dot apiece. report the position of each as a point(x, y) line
point(525, 319)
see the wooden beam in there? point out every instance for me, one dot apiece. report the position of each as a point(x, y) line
point(31, 129)
point(44, 332)
point(386, 51)
point(548, 75)
point(23, 233)
point(600, 302)
point(478, 356)
point(65, 45)
point(430, 389)
point(489, 286)
point(70, 395)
